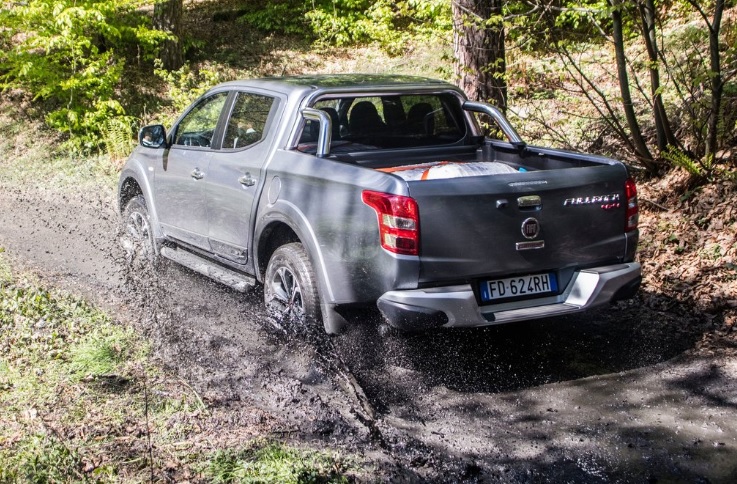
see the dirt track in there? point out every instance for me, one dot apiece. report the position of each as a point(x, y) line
point(613, 396)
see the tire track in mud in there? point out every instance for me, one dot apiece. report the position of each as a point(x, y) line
point(204, 330)
point(608, 396)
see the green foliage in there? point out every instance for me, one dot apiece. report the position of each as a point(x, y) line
point(286, 17)
point(117, 135)
point(391, 24)
point(265, 462)
point(698, 169)
point(71, 54)
point(186, 85)
point(531, 28)
point(41, 459)
point(578, 15)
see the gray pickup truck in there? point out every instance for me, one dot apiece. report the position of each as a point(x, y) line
point(344, 192)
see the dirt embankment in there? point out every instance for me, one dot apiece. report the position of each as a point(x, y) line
point(689, 253)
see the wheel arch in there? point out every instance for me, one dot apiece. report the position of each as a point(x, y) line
point(272, 236)
point(129, 188)
point(132, 183)
point(279, 230)
point(283, 224)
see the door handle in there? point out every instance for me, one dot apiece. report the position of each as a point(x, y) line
point(247, 180)
point(197, 174)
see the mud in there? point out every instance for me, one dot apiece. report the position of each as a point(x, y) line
point(625, 394)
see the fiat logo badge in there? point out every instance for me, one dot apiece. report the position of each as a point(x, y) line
point(530, 228)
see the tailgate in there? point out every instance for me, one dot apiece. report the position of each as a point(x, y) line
point(520, 223)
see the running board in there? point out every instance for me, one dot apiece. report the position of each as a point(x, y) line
point(239, 282)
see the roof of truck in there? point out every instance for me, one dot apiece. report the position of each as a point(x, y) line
point(336, 81)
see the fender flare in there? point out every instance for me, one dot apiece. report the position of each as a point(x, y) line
point(290, 215)
point(136, 172)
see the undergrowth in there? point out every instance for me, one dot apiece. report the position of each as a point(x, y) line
point(32, 157)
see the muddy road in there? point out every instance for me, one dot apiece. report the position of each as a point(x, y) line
point(622, 395)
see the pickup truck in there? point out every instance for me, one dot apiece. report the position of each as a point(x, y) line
point(339, 193)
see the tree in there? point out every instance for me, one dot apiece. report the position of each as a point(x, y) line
point(72, 55)
point(698, 61)
point(641, 149)
point(715, 73)
point(478, 44)
point(664, 132)
point(168, 18)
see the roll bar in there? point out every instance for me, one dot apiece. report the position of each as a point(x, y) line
point(326, 130)
point(494, 113)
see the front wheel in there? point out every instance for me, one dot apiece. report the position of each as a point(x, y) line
point(137, 238)
point(290, 290)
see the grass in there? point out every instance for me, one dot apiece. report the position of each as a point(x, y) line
point(81, 399)
point(272, 462)
point(31, 157)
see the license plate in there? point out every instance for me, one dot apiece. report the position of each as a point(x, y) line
point(521, 286)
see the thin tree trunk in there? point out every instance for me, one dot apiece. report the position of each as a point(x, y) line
point(662, 124)
point(717, 86)
point(168, 18)
point(478, 44)
point(641, 149)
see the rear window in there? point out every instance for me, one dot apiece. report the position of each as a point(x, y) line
point(385, 122)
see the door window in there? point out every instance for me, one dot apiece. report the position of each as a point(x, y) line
point(198, 126)
point(248, 120)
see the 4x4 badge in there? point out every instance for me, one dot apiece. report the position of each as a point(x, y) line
point(530, 228)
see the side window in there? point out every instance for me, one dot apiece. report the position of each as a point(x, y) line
point(248, 120)
point(198, 126)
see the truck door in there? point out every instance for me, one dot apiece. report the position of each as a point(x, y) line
point(236, 170)
point(183, 171)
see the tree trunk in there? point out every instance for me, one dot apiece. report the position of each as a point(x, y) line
point(715, 73)
point(662, 124)
point(641, 149)
point(717, 86)
point(478, 44)
point(168, 18)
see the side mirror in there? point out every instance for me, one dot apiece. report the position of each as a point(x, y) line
point(153, 136)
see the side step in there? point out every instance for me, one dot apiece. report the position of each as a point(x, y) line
point(239, 282)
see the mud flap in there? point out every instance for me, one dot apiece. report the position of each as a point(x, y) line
point(334, 323)
point(411, 318)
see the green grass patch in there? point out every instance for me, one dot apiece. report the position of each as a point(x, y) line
point(81, 400)
point(272, 462)
point(41, 459)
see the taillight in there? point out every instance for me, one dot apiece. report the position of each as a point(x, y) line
point(399, 221)
point(630, 193)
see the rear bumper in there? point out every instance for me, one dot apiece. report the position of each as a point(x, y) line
point(456, 306)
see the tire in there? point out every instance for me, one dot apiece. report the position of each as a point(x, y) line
point(137, 237)
point(290, 290)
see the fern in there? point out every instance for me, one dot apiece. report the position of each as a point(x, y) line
point(699, 169)
point(117, 137)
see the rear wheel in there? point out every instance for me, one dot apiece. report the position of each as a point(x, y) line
point(290, 290)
